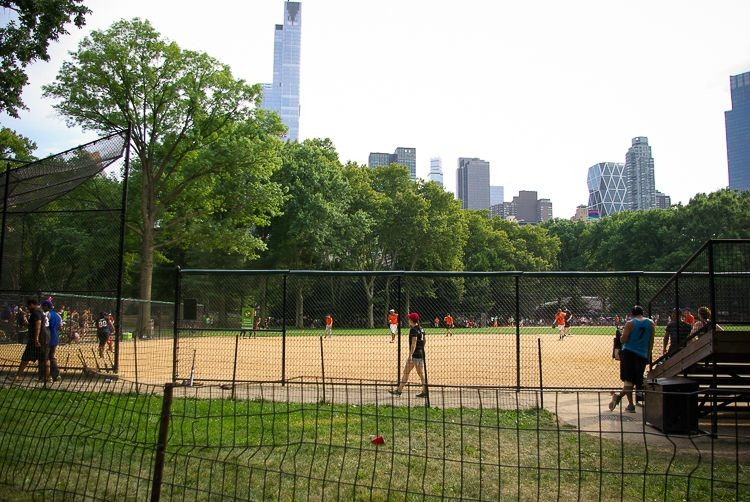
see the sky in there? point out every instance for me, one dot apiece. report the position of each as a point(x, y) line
point(541, 89)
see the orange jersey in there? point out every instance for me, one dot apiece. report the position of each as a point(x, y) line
point(329, 320)
point(448, 320)
point(560, 319)
point(392, 318)
point(690, 318)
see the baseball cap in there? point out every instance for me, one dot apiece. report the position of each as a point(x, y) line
point(47, 303)
point(413, 317)
point(391, 310)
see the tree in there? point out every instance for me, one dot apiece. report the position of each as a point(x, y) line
point(313, 231)
point(188, 116)
point(26, 38)
point(16, 146)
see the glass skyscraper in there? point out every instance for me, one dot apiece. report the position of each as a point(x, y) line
point(282, 96)
point(436, 171)
point(737, 121)
point(639, 176)
point(473, 183)
point(607, 188)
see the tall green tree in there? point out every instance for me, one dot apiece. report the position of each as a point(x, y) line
point(314, 228)
point(26, 37)
point(16, 146)
point(183, 107)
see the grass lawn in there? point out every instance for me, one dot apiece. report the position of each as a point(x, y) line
point(101, 445)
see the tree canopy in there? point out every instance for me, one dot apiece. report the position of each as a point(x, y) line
point(26, 37)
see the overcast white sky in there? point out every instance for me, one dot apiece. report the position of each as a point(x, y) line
point(540, 89)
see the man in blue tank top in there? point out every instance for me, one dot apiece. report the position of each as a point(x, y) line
point(637, 343)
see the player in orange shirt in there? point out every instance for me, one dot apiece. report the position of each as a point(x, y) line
point(329, 325)
point(689, 317)
point(393, 324)
point(448, 320)
point(560, 323)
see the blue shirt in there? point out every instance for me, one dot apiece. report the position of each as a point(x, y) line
point(639, 340)
point(54, 328)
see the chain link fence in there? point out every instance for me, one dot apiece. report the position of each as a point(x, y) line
point(482, 329)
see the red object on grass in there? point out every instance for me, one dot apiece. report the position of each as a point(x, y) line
point(378, 440)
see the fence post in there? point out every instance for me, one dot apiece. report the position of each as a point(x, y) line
point(283, 333)
point(5, 214)
point(161, 444)
point(234, 368)
point(714, 316)
point(323, 368)
point(400, 310)
point(177, 300)
point(518, 333)
point(541, 384)
point(120, 267)
point(637, 289)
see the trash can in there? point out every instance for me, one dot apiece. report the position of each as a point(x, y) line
point(671, 405)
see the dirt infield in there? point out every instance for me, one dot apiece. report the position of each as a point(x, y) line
point(483, 360)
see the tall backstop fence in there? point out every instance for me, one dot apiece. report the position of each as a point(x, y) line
point(91, 440)
point(62, 228)
point(482, 329)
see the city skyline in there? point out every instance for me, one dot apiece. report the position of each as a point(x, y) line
point(540, 115)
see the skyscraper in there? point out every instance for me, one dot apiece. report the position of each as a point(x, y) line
point(282, 96)
point(639, 176)
point(497, 195)
point(737, 123)
point(663, 201)
point(473, 183)
point(607, 188)
point(436, 171)
point(403, 155)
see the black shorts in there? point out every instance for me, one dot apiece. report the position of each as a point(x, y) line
point(102, 337)
point(32, 353)
point(632, 367)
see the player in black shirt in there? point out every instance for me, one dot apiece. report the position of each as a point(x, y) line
point(416, 356)
point(38, 340)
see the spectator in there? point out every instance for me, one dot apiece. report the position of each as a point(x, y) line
point(704, 325)
point(55, 322)
point(688, 317)
point(37, 341)
point(637, 344)
point(676, 333)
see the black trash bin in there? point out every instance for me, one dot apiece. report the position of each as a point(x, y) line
point(671, 405)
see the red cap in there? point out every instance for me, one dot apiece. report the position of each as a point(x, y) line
point(413, 317)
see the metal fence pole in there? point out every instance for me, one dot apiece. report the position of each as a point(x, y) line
point(161, 444)
point(714, 315)
point(518, 333)
point(323, 368)
point(121, 250)
point(283, 333)
point(234, 368)
point(637, 289)
point(541, 384)
point(5, 214)
point(400, 310)
point(177, 300)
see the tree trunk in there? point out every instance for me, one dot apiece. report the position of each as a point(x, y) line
point(146, 272)
point(369, 284)
point(300, 308)
point(386, 305)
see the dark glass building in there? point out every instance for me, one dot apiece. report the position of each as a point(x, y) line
point(737, 122)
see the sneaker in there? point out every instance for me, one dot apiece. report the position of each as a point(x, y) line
point(58, 379)
point(616, 398)
point(395, 392)
point(630, 408)
point(423, 394)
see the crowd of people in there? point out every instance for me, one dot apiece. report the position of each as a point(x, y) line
point(42, 327)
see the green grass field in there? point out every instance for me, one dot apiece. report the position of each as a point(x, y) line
point(101, 445)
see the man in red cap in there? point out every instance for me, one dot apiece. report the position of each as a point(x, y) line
point(416, 356)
